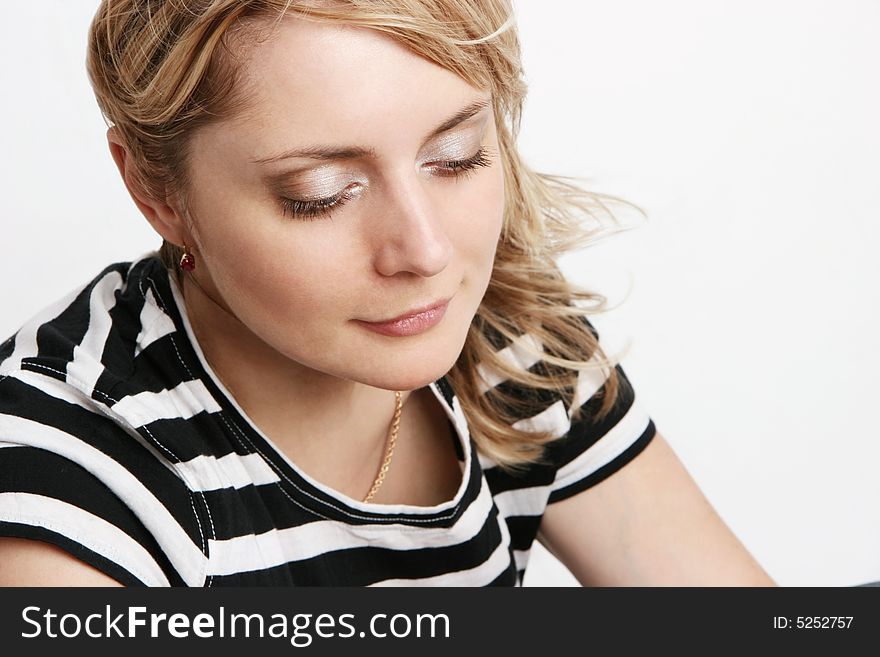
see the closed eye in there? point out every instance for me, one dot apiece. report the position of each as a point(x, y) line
point(463, 168)
point(315, 209)
point(309, 210)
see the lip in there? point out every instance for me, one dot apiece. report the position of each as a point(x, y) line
point(411, 323)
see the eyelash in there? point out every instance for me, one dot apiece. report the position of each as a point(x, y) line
point(312, 210)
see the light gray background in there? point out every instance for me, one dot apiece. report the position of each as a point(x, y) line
point(747, 131)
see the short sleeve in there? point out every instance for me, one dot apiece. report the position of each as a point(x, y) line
point(46, 497)
point(65, 480)
point(587, 447)
point(593, 449)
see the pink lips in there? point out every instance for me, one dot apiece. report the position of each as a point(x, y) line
point(411, 324)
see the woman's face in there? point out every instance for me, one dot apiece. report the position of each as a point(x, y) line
point(348, 121)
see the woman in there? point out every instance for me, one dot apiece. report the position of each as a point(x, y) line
point(354, 360)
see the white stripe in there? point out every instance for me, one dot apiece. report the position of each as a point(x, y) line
point(480, 575)
point(26, 337)
point(278, 546)
point(43, 381)
point(486, 462)
point(521, 557)
point(86, 366)
point(186, 557)
point(522, 353)
point(154, 323)
point(68, 393)
point(531, 501)
point(84, 528)
point(606, 449)
point(204, 473)
point(554, 419)
point(182, 401)
point(588, 384)
point(459, 420)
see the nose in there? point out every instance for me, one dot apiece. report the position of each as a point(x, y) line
point(411, 235)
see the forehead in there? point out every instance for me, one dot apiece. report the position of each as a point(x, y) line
point(317, 79)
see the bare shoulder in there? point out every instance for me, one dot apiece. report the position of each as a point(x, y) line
point(26, 562)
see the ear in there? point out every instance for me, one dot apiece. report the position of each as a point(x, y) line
point(164, 218)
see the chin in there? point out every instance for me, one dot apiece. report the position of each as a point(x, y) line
point(410, 369)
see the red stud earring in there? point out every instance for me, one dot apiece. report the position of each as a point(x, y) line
point(187, 260)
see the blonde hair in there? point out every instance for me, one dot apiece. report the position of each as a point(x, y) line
point(162, 68)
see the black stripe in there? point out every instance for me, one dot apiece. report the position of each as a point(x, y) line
point(40, 472)
point(187, 438)
point(523, 530)
point(445, 389)
point(57, 338)
point(456, 443)
point(183, 353)
point(523, 402)
point(587, 430)
point(254, 510)
point(7, 347)
point(608, 469)
point(154, 369)
point(118, 354)
point(22, 400)
point(167, 361)
point(582, 435)
point(534, 474)
point(492, 334)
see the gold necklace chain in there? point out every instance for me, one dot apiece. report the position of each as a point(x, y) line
point(395, 425)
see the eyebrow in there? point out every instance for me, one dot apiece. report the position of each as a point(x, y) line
point(351, 152)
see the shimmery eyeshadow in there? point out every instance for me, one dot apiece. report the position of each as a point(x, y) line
point(317, 183)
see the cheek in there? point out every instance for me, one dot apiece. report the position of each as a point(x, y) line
point(276, 272)
point(481, 221)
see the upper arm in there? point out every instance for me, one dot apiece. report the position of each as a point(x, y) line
point(25, 562)
point(648, 524)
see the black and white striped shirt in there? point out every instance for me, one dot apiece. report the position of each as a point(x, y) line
point(120, 445)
